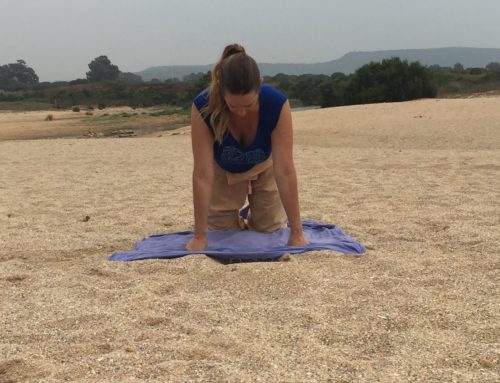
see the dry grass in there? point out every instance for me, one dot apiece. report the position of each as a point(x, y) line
point(96, 123)
point(418, 183)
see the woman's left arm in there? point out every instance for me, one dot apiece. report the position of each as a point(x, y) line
point(284, 172)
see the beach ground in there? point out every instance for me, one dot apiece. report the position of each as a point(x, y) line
point(418, 183)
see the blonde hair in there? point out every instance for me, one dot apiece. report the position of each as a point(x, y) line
point(236, 73)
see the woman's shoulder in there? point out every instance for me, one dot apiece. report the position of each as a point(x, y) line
point(201, 99)
point(272, 96)
point(271, 91)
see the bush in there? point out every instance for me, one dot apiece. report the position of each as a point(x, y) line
point(101, 106)
point(49, 117)
point(89, 113)
point(75, 109)
point(391, 80)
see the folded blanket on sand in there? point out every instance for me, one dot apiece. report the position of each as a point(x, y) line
point(243, 246)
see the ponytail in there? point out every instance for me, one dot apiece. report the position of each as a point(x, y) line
point(236, 73)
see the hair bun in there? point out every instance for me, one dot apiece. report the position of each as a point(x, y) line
point(232, 49)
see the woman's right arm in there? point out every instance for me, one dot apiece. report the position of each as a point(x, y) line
point(203, 176)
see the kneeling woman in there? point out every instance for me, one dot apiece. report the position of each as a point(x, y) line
point(242, 146)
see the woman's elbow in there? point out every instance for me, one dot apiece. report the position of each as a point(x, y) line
point(203, 174)
point(284, 171)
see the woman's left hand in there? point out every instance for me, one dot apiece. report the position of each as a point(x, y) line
point(297, 240)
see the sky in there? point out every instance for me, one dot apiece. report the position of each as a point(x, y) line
point(59, 38)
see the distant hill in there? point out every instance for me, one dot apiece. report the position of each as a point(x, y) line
point(445, 57)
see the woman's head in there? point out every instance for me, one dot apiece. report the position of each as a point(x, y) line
point(234, 88)
point(236, 72)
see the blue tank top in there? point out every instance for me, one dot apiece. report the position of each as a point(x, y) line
point(233, 157)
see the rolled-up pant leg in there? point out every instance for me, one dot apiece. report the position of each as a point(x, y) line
point(266, 210)
point(227, 200)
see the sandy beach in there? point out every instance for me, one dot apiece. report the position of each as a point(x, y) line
point(418, 183)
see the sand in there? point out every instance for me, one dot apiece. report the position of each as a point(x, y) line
point(418, 183)
point(97, 123)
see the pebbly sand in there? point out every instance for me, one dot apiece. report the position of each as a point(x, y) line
point(418, 183)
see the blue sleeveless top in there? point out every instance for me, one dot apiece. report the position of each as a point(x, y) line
point(233, 157)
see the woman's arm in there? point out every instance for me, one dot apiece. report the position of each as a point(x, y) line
point(286, 177)
point(203, 175)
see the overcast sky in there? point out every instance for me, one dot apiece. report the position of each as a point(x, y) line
point(58, 38)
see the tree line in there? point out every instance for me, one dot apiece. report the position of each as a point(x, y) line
point(387, 81)
point(390, 80)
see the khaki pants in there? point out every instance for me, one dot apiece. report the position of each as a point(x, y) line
point(230, 192)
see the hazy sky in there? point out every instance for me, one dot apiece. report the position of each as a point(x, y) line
point(58, 38)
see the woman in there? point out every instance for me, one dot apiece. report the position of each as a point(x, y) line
point(235, 123)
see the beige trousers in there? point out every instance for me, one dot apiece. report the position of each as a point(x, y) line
point(230, 192)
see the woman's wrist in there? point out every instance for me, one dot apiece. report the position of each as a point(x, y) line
point(296, 229)
point(200, 234)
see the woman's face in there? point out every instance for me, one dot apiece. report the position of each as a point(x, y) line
point(242, 104)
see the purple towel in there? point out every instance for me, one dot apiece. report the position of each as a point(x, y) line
point(243, 246)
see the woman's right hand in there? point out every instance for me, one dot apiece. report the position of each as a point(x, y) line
point(197, 244)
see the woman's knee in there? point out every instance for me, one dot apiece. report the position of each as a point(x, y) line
point(224, 220)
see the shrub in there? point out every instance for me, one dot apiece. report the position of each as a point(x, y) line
point(101, 106)
point(89, 113)
point(389, 81)
point(75, 109)
point(49, 117)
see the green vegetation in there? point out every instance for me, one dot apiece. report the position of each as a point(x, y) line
point(386, 81)
point(23, 105)
point(177, 95)
point(389, 81)
point(459, 81)
point(17, 76)
point(101, 69)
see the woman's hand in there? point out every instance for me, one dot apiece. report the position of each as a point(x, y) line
point(297, 240)
point(197, 244)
